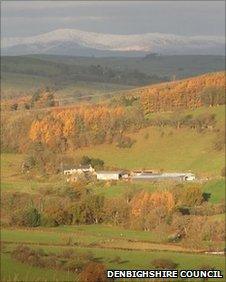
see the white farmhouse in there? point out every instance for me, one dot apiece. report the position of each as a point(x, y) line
point(79, 170)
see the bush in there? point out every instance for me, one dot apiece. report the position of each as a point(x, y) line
point(207, 209)
point(85, 160)
point(29, 162)
point(26, 255)
point(219, 141)
point(213, 95)
point(125, 142)
point(223, 172)
point(14, 107)
point(68, 260)
point(29, 217)
point(189, 196)
point(95, 163)
point(94, 272)
point(164, 264)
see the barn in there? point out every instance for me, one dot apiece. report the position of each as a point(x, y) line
point(109, 175)
point(164, 176)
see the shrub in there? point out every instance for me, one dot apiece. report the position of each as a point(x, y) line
point(164, 264)
point(94, 272)
point(28, 216)
point(97, 163)
point(26, 255)
point(85, 160)
point(68, 260)
point(223, 172)
point(125, 142)
point(189, 196)
point(219, 141)
point(30, 162)
point(213, 95)
point(14, 107)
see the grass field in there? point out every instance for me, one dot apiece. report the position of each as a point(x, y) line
point(17, 83)
point(126, 259)
point(12, 270)
point(14, 180)
point(217, 190)
point(23, 272)
point(166, 149)
point(85, 234)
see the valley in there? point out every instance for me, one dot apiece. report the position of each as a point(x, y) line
point(64, 226)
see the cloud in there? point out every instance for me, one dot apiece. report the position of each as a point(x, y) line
point(21, 18)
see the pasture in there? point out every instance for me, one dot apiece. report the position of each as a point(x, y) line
point(104, 243)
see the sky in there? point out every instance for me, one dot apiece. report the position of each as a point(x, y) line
point(27, 18)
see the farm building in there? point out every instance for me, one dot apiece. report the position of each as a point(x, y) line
point(164, 176)
point(110, 175)
point(79, 170)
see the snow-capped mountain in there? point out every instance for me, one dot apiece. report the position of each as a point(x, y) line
point(77, 42)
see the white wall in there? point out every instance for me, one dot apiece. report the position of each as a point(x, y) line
point(104, 176)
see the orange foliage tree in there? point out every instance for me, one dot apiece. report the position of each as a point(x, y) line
point(81, 126)
point(148, 210)
point(186, 93)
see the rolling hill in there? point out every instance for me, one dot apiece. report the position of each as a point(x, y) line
point(166, 148)
point(23, 74)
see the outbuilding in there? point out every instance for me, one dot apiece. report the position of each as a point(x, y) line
point(109, 175)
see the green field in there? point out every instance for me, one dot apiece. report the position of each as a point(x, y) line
point(217, 190)
point(12, 270)
point(17, 84)
point(182, 150)
point(166, 149)
point(83, 234)
point(92, 239)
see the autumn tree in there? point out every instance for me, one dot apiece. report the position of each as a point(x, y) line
point(94, 272)
point(189, 93)
point(150, 209)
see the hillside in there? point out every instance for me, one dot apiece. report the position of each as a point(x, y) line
point(22, 74)
point(166, 148)
point(207, 89)
point(68, 75)
point(171, 127)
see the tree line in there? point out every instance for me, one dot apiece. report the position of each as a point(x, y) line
point(206, 90)
point(182, 212)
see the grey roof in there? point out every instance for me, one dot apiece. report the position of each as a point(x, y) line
point(161, 175)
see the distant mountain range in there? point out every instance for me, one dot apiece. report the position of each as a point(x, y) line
point(75, 42)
